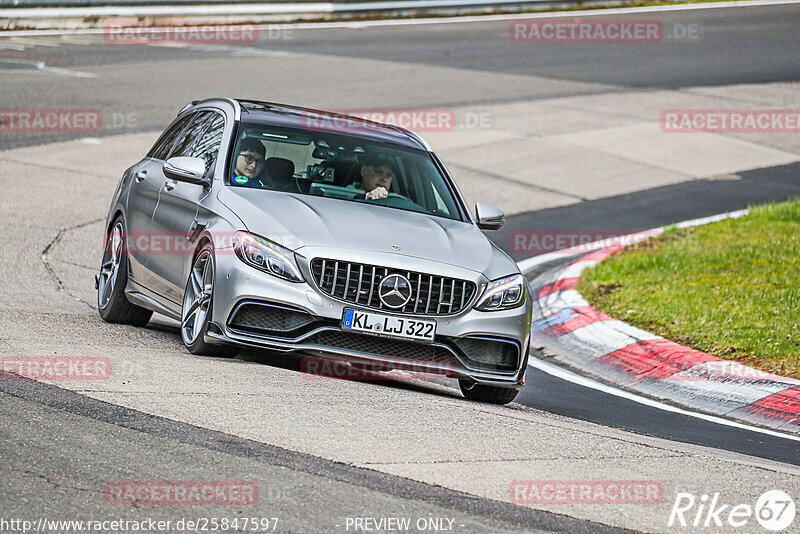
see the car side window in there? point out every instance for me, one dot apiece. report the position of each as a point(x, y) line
point(162, 147)
point(185, 145)
point(208, 145)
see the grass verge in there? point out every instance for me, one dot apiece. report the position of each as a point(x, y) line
point(731, 288)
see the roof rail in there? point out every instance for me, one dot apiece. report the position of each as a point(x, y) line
point(237, 108)
point(394, 127)
point(187, 106)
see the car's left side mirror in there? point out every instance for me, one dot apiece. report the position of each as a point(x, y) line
point(185, 169)
point(489, 217)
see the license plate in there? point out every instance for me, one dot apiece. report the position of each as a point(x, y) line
point(379, 324)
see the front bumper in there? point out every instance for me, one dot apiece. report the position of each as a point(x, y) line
point(319, 331)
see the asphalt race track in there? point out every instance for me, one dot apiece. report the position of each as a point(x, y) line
point(323, 451)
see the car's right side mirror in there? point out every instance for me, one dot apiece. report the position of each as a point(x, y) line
point(488, 216)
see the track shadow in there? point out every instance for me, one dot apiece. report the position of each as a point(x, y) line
point(316, 368)
point(326, 369)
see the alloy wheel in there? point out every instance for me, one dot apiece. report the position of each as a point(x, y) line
point(109, 270)
point(197, 299)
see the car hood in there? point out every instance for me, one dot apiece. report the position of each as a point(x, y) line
point(295, 221)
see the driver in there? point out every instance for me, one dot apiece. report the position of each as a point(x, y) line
point(250, 164)
point(377, 173)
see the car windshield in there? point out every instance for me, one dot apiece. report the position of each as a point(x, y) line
point(341, 167)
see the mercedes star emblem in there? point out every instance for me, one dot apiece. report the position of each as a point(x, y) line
point(395, 291)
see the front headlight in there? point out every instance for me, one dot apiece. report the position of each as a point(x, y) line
point(266, 256)
point(503, 294)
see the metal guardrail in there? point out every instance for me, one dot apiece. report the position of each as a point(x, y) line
point(85, 3)
point(40, 9)
point(347, 5)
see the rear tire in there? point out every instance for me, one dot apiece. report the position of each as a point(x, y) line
point(112, 304)
point(490, 394)
point(198, 301)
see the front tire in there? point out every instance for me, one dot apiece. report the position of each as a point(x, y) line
point(112, 304)
point(197, 305)
point(490, 394)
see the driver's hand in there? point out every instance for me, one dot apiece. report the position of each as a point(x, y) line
point(378, 192)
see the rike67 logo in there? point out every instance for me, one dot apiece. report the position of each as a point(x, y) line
point(774, 510)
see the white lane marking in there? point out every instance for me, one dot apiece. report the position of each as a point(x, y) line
point(234, 50)
point(575, 270)
point(167, 10)
point(731, 370)
point(32, 41)
point(551, 308)
point(11, 46)
point(249, 51)
point(738, 394)
point(455, 20)
point(41, 67)
point(81, 40)
point(712, 218)
point(611, 335)
point(563, 374)
point(562, 299)
point(168, 44)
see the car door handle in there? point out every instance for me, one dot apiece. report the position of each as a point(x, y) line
point(169, 185)
point(196, 228)
point(140, 176)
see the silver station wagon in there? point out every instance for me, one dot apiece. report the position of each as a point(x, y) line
point(270, 226)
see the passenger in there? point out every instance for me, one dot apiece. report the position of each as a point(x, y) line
point(377, 173)
point(249, 167)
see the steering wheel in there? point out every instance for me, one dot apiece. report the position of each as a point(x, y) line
point(395, 200)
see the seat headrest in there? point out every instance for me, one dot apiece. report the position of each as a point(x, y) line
point(279, 169)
